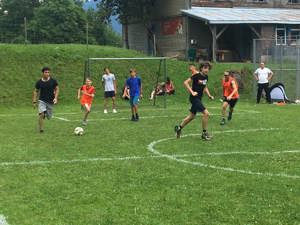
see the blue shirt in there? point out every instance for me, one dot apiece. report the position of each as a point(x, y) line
point(134, 84)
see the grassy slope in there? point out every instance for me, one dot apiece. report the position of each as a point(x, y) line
point(20, 68)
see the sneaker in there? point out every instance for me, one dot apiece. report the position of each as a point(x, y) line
point(222, 122)
point(41, 131)
point(114, 111)
point(133, 119)
point(206, 137)
point(137, 118)
point(177, 131)
point(84, 123)
point(105, 111)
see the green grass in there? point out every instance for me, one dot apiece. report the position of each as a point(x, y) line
point(95, 179)
point(150, 190)
point(21, 68)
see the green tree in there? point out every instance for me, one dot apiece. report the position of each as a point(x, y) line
point(12, 24)
point(58, 21)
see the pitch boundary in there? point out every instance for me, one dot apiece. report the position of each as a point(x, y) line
point(151, 148)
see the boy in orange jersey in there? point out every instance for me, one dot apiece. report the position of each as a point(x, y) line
point(86, 94)
point(230, 95)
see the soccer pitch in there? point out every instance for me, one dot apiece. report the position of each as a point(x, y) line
point(123, 172)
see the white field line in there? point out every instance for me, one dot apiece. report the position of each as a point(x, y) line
point(146, 117)
point(61, 118)
point(133, 158)
point(3, 220)
point(100, 112)
point(151, 148)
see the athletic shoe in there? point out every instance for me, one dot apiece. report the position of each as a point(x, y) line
point(105, 111)
point(177, 131)
point(137, 118)
point(84, 123)
point(206, 137)
point(222, 122)
point(41, 131)
point(133, 119)
point(114, 111)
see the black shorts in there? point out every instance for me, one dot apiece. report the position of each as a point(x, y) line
point(197, 105)
point(109, 94)
point(231, 102)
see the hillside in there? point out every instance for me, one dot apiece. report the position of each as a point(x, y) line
point(20, 68)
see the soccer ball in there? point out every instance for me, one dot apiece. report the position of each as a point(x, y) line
point(78, 131)
point(297, 101)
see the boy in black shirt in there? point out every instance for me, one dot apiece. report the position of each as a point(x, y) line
point(199, 81)
point(47, 89)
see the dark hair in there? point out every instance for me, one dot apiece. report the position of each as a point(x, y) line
point(105, 68)
point(132, 70)
point(192, 64)
point(205, 65)
point(168, 79)
point(45, 69)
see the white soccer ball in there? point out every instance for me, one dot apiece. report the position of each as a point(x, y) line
point(297, 101)
point(78, 131)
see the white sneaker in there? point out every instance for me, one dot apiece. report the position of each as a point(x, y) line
point(105, 111)
point(114, 111)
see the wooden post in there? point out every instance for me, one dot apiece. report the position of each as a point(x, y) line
point(213, 29)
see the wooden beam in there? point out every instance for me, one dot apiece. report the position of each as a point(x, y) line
point(222, 31)
point(213, 29)
point(254, 31)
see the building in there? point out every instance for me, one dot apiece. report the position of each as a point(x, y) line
point(218, 30)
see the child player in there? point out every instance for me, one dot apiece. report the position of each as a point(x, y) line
point(230, 95)
point(134, 84)
point(199, 81)
point(87, 93)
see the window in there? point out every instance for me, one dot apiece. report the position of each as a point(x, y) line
point(280, 36)
point(294, 1)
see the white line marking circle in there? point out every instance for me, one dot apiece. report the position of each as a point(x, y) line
point(151, 148)
point(3, 220)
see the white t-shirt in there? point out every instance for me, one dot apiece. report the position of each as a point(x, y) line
point(263, 75)
point(108, 80)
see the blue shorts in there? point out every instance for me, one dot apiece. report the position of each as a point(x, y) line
point(134, 100)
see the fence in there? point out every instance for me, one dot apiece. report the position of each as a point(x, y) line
point(282, 56)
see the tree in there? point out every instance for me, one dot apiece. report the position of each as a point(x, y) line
point(12, 24)
point(59, 21)
point(129, 11)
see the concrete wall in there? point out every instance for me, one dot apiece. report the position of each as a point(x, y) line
point(137, 37)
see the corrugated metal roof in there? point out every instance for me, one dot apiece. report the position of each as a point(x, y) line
point(245, 15)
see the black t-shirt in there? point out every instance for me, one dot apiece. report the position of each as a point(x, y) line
point(199, 83)
point(46, 89)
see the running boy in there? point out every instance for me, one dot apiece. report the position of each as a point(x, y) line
point(230, 96)
point(87, 93)
point(110, 89)
point(47, 90)
point(134, 84)
point(199, 81)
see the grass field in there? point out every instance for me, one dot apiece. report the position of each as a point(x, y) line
point(121, 172)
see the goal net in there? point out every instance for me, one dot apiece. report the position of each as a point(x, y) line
point(151, 70)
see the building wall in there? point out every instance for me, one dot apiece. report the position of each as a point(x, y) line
point(137, 37)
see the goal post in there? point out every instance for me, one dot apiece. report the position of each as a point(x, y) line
point(152, 70)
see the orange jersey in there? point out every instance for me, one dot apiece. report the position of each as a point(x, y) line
point(86, 99)
point(228, 89)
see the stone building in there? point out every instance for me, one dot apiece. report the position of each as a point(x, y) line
point(218, 30)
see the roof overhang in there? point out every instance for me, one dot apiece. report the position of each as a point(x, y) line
point(214, 15)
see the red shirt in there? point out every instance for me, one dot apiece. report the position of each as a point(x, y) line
point(228, 89)
point(86, 99)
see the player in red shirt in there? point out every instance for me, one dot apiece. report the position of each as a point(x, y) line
point(230, 95)
point(86, 95)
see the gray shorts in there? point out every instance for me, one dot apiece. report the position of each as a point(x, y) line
point(46, 108)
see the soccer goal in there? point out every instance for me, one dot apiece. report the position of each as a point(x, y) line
point(152, 71)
